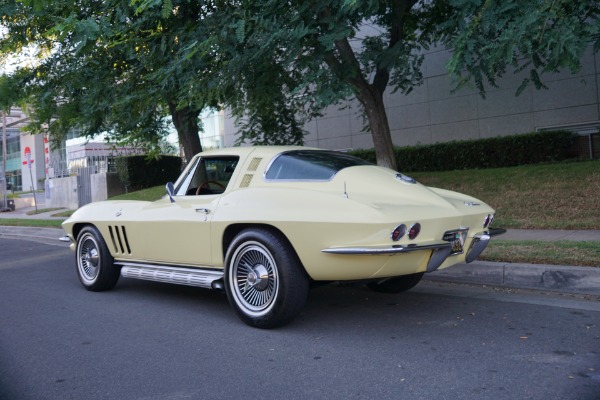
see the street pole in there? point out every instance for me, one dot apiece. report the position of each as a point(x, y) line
point(32, 183)
point(4, 159)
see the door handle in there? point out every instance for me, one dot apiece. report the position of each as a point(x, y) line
point(204, 211)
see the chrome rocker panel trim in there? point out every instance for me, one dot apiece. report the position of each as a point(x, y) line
point(204, 278)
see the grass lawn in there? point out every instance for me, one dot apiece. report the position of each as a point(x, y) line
point(541, 252)
point(549, 196)
point(44, 223)
point(150, 194)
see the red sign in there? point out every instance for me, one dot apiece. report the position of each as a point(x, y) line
point(28, 160)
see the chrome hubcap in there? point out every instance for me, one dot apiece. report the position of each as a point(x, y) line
point(254, 279)
point(258, 278)
point(89, 257)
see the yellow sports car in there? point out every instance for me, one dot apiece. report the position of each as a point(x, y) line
point(265, 223)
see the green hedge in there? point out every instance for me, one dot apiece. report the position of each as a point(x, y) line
point(505, 151)
point(138, 172)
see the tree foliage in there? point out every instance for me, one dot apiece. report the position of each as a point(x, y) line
point(125, 66)
point(99, 70)
point(334, 50)
point(492, 38)
point(318, 53)
point(109, 67)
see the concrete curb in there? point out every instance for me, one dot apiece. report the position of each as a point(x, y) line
point(567, 279)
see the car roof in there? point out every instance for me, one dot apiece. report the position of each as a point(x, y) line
point(264, 151)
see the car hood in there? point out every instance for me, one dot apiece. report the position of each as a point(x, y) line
point(105, 211)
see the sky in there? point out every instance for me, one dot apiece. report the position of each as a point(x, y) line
point(9, 65)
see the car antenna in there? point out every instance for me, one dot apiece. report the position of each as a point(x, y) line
point(345, 192)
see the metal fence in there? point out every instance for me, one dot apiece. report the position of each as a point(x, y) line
point(84, 185)
point(59, 168)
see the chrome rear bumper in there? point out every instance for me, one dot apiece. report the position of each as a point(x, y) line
point(378, 250)
point(479, 243)
point(441, 250)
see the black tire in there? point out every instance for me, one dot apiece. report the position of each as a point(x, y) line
point(95, 265)
point(264, 279)
point(396, 285)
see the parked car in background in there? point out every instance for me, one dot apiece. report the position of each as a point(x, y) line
point(264, 223)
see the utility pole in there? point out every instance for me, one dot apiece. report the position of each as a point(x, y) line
point(5, 207)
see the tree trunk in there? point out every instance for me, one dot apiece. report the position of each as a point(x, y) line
point(372, 101)
point(186, 124)
point(370, 96)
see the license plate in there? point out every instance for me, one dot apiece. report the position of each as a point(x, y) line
point(457, 239)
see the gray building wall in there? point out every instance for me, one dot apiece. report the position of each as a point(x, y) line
point(62, 192)
point(432, 113)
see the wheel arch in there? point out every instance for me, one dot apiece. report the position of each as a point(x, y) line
point(234, 229)
point(79, 226)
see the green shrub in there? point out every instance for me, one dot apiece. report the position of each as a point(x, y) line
point(505, 151)
point(138, 172)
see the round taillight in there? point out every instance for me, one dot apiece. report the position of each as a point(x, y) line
point(414, 231)
point(398, 233)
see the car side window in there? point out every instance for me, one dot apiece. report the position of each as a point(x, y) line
point(210, 176)
point(310, 165)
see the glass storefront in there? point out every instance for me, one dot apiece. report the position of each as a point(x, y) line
point(13, 159)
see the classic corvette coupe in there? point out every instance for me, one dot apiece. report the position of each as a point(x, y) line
point(265, 223)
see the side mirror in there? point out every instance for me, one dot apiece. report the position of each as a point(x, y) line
point(171, 191)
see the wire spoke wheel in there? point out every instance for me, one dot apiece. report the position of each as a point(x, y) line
point(256, 279)
point(95, 265)
point(88, 257)
point(265, 281)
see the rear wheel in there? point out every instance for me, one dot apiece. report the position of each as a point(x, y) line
point(396, 285)
point(95, 265)
point(264, 279)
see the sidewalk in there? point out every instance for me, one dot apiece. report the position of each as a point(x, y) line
point(21, 213)
point(551, 235)
point(567, 279)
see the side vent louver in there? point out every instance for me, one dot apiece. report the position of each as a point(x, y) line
point(251, 168)
point(246, 180)
point(118, 236)
point(254, 164)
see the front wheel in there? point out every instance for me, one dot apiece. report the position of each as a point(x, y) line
point(264, 279)
point(95, 265)
point(396, 285)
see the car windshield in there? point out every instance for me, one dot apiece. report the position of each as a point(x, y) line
point(210, 175)
point(310, 165)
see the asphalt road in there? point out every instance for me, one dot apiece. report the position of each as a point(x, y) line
point(155, 341)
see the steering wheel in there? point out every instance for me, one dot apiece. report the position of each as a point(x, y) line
point(205, 184)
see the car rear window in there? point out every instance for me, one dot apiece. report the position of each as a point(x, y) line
point(310, 165)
